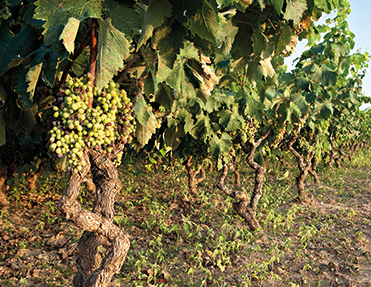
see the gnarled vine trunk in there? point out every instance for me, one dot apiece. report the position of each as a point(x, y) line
point(313, 172)
point(304, 167)
point(340, 158)
point(245, 207)
point(237, 177)
point(31, 178)
point(332, 154)
point(193, 178)
point(3, 187)
point(95, 269)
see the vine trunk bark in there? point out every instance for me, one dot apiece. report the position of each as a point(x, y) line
point(304, 167)
point(313, 172)
point(31, 178)
point(237, 177)
point(340, 158)
point(193, 178)
point(3, 187)
point(245, 207)
point(94, 267)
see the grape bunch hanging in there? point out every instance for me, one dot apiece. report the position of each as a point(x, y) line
point(85, 116)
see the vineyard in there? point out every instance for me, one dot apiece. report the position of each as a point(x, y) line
point(165, 143)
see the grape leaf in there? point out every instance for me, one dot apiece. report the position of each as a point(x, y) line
point(219, 146)
point(16, 45)
point(69, 33)
point(31, 78)
point(146, 121)
point(326, 110)
point(144, 133)
point(202, 126)
point(27, 119)
point(230, 119)
point(284, 39)
point(277, 5)
point(156, 12)
point(205, 22)
point(295, 10)
point(25, 83)
point(260, 42)
point(186, 116)
point(112, 49)
point(177, 78)
point(124, 18)
point(168, 39)
point(140, 109)
point(57, 14)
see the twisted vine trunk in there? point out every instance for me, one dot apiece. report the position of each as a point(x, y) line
point(193, 178)
point(351, 151)
point(242, 206)
point(245, 207)
point(3, 187)
point(94, 268)
point(313, 172)
point(237, 177)
point(31, 178)
point(340, 158)
point(304, 167)
point(332, 154)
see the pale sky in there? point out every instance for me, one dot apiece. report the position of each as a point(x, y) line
point(359, 24)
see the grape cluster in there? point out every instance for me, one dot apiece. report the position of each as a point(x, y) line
point(199, 151)
point(279, 134)
point(248, 131)
point(85, 116)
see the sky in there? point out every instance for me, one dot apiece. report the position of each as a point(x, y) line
point(358, 22)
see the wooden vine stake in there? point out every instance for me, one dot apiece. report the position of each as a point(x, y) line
point(103, 247)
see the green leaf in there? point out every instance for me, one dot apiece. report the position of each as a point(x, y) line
point(242, 45)
point(16, 45)
point(260, 42)
point(202, 127)
point(124, 18)
point(27, 119)
point(168, 40)
point(26, 81)
point(2, 129)
point(140, 108)
point(177, 78)
point(172, 137)
point(205, 23)
point(295, 10)
point(69, 33)
point(156, 12)
point(144, 133)
point(324, 75)
point(231, 119)
point(57, 14)
point(277, 5)
point(326, 111)
point(186, 116)
point(284, 39)
point(164, 96)
point(112, 49)
point(219, 146)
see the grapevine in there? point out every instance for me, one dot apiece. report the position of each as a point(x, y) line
point(79, 121)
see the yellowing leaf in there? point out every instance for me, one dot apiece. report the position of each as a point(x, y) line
point(69, 33)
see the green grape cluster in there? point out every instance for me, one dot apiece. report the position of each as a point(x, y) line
point(85, 116)
point(279, 135)
point(248, 131)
